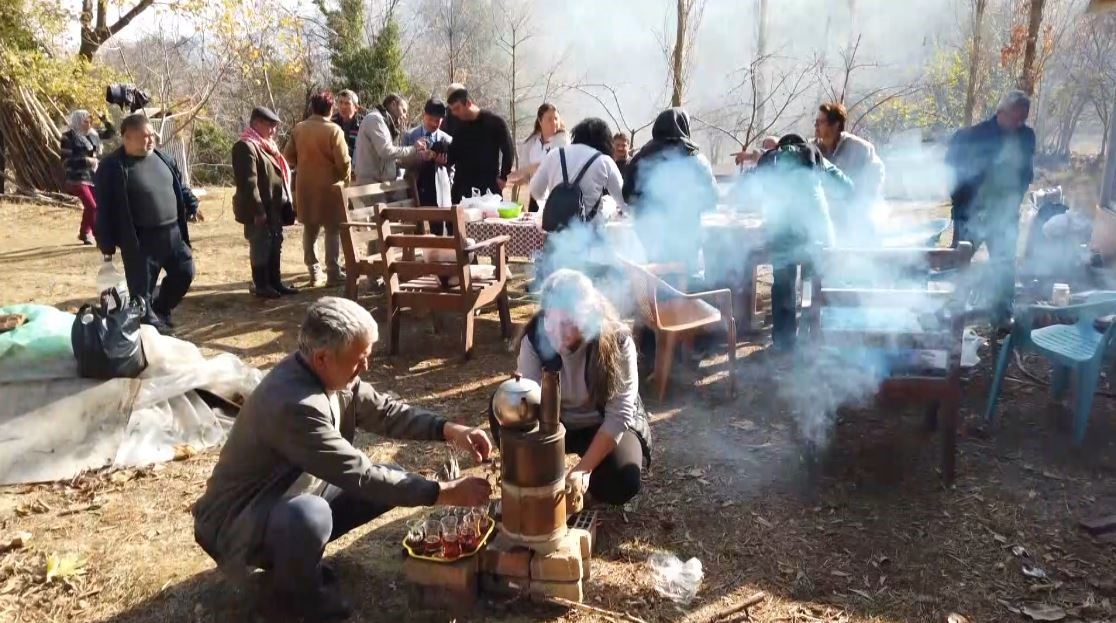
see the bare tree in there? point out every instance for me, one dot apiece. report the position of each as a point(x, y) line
point(1034, 25)
point(979, 9)
point(95, 29)
point(761, 54)
point(679, 52)
point(607, 97)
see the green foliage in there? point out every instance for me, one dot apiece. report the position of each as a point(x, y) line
point(372, 71)
point(212, 149)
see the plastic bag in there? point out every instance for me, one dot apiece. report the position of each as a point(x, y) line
point(970, 344)
point(676, 580)
point(40, 349)
point(489, 203)
point(106, 341)
point(443, 186)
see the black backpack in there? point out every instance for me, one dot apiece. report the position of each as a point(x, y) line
point(566, 202)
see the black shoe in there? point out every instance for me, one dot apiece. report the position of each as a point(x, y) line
point(283, 288)
point(324, 603)
point(263, 287)
point(165, 318)
point(160, 326)
point(329, 574)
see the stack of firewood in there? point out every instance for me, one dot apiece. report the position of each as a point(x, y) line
point(31, 145)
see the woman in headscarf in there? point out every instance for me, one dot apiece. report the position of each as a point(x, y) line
point(669, 184)
point(80, 148)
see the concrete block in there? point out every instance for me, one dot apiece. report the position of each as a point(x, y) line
point(503, 586)
point(562, 565)
point(501, 557)
point(572, 591)
point(459, 577)
point(585, 539)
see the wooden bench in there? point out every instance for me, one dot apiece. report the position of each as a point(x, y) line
point(447, 283)
point(359, 234)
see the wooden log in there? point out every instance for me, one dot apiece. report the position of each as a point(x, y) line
point(736, 609)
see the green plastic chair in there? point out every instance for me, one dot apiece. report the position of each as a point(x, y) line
point(1077, 348)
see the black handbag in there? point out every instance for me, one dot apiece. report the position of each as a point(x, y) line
point(106, 342)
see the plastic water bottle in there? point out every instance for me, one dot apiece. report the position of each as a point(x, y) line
point(108, 277)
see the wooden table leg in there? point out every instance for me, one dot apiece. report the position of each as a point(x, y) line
point(949, 416)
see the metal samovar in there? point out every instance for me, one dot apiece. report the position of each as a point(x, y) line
point(532, 465)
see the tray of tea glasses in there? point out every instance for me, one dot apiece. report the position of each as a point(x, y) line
point(448, 535)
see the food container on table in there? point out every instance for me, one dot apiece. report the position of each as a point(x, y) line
point(1060, 295)
point(509, 210)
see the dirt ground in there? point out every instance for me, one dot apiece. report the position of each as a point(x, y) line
point(876, 538)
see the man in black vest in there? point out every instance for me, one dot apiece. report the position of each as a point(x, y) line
point(143, 206)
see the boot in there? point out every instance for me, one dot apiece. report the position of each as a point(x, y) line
point(263, 285)
point(275, 277)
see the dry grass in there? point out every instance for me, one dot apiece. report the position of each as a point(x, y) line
point(878, 539)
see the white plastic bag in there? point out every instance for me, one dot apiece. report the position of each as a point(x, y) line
point(970, 343)
point(676, 580)
point(489, 202)
point(442, 187)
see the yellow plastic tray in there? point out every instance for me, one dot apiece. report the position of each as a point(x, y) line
point(483, 541)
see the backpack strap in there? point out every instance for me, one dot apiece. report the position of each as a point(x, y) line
point(577, 182)
point(584, 168)
point(565, 173)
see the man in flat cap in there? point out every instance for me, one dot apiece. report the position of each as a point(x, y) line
point(262, 202)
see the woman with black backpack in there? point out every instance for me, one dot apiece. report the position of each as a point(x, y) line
point(578, 188)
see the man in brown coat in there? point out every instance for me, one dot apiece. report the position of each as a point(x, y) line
point(317, 151)
point(289, 479)
point(262, 202)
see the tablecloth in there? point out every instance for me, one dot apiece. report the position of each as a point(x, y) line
point(526, 242)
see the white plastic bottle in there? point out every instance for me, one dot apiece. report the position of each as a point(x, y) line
point(108, 277)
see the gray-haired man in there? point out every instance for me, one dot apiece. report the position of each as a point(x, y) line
point(349, 117)
point(289, 479)
point(993, 165)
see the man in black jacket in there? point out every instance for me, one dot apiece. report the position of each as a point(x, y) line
point(993, 165)
point(143, 208)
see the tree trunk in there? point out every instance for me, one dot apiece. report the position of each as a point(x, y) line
point(677, 58)
point(95, 29)
point(1108, 182)
point(3, 162)
point(761, 53)
point(511, 98)
point(1034, 26)
point(979, 8)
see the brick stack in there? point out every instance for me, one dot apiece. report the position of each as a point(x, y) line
point(506, 569)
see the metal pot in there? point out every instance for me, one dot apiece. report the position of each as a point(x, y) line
point(517, 402)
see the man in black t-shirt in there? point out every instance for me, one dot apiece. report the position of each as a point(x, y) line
point(482, 152)
point(143, 208)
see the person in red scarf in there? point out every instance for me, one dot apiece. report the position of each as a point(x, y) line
point(262, 202)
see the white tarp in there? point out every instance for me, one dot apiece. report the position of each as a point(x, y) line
point(54, 429)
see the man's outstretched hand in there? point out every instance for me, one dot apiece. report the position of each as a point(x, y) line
point(468, 491)
point(472, 440)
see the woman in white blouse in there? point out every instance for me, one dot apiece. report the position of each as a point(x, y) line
point(549, 134)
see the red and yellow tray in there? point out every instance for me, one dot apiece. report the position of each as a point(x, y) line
point(487, 533)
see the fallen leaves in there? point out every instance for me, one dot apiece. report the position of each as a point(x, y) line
point(32, 508)
point(19, 540)
point(1044, 612)
point(184, 451)
point(64, 567)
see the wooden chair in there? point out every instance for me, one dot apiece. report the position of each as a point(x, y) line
point(440, 286)
point(359, 234)
point(677, 317)
point(870, 314)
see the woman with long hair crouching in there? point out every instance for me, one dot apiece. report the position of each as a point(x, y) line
point(578, 333)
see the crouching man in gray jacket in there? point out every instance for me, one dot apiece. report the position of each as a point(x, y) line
point(289, 479)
